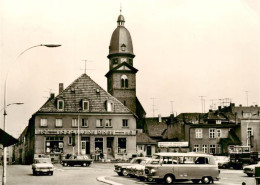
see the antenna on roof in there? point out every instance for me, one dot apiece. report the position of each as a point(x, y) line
point(246, 98)
point(153, 106)
point(202, 103)
point(172, 107)
point(120, 8)
point(85, 69)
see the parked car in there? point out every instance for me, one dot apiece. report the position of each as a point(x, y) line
point(183, 166)
point(223, 161)
point(132, 169)
point(42, 165)
point(77, 160)
point(140, 170)
point(120, 168)
point(250, 169)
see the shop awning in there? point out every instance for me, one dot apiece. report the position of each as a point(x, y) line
point(6, 139)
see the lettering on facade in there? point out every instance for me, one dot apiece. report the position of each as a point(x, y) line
point(85, 132)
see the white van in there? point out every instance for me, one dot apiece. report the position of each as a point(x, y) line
point(183, 166)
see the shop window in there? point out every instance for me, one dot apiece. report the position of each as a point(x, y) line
point(121, 145)
point(99, 123)
point(125, 123)
point(85, 105)
point(108, 123)
point(43, 122)
point(58, 122)
point(54, 145)
point(198, 133)
point(69, 140)
point(211, 133)
point(84, 122)
point(74, 122)
point(60, 104)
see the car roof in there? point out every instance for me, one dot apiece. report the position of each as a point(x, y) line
point(190, 154)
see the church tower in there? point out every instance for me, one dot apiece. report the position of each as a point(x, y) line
point(121, 78)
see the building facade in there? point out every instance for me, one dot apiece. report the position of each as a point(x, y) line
point(82, 120)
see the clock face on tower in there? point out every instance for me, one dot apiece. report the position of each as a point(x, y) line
point(123, 60)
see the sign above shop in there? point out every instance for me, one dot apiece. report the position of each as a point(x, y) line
point(85, 132)
point(173, 144)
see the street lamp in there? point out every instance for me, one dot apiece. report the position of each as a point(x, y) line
point(5, 106)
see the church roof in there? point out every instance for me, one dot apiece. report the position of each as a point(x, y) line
point(121, 38)
point(84, 88)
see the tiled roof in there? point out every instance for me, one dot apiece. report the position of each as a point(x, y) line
point(84, 88)
point(143, 138)
point(190, 117)
point(156, 128)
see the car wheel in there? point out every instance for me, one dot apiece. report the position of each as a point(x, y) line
point(34, 173)
point(119, 173)
point(142, 178)
point(50, 173)
point(149, 179)
point(65, 164)
point(124, 172)
point(206, 180)
point(169, 179)
point(250, 175)
point(84, 164)
point(195, 181)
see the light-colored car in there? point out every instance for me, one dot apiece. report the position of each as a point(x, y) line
point(250, 169)
point(42, 166)
point(120, 168)
point(223, 161)
point(132, 169)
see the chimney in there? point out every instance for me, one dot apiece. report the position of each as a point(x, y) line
point(60, 87)
point(240, 105)
point(256, 105)
point(52, 95)
point(159, 118)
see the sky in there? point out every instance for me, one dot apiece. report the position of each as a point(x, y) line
point(184, 49)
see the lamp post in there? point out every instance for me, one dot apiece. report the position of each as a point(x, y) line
point(5, 106)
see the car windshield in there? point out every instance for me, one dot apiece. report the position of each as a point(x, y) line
point(42, 160)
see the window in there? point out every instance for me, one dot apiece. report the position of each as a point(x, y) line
point(218, 122)
point(109, 105)
point(123, 47)
point(58, 122)
point(60, 104)
point(121, 145)
point(247, 114)
point(219, 149)
point(196, 148)
point(211, 133)
point(205, 148)
point(130, 61)
point(198, 133)
point(74, 122)
point(85, 105)
point(124, 81)
point(218, 133)
point(249, 132)
point(212, 149)
point(125, 123)
point(108, 123)
point(84, 122)
point(44, 122)
point(69, 140)
point(115, 61)
point(99, 123)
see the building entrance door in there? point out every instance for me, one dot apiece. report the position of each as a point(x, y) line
point(98, 148)
point(85, 145)
point(110, 141)
point(148, 150)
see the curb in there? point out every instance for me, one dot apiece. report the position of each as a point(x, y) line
point(102, 179)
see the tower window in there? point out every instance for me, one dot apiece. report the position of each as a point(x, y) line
point(124, 81)
point(115, 61)
point(130, 61)
point(123, 47)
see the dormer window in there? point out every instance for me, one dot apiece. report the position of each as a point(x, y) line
point(85, 105)
point(60, 104)
point(123, 47)
point(124, 81)
point(109, 106)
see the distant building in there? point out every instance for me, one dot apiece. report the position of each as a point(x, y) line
point(145, 146)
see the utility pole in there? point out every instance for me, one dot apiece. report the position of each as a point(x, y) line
point(246, 98)
point(153, 106)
